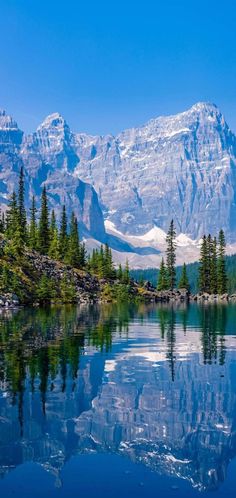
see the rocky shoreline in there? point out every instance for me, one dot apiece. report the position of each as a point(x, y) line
point(89, 288)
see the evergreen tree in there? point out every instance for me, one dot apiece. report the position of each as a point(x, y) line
point(63, 237)
point(45, 290)
point(184, 282)
point(203, 278)
point(222, 274)
point(73, 252)
point(120, 273)
point(21, 207)
point(53, 250)
point(5, 278)
point(162, 283)
point(43, 231)
point(213, 266)
point(68, 290)
point(126, 274)
point(2, 222)
point(33, 226)
point(101, 262)
point(82, 256)
point(171, 256)
point(108, 263)
point(12, 217)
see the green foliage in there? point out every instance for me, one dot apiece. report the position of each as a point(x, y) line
point(183, 281)
point(53, 250)
point(162, 283)
point(63, 236)
point(171, 256)
point(22, 221)
point(68, 290)
point(73, 245)
point(126, 274)
point(221, 273)
point(43, 232)
point(45, 290)
point(33, 235)
point(116, 292)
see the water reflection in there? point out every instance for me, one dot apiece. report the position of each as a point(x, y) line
point(154, 383)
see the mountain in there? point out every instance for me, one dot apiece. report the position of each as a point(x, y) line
point(181, 166)
point(48, 157)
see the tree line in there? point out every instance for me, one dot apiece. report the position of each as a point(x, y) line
point(212, 274)
point(58, 239)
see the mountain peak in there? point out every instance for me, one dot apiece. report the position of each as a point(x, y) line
point(205, 106)
point(7, 122)
point(55, 121)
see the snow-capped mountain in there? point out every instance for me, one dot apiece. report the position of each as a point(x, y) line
point(181, 166)
point(48, 159)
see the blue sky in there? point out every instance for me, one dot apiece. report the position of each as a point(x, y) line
point(109, 65)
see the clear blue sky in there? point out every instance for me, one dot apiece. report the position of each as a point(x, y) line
point(109, 65)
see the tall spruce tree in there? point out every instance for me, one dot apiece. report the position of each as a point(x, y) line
point(73, 251)
point(120, 272)
point(43, 231)
point(213, 266)
point(53, 250)
point(162, 283)
point(33, 226)
point(126, 273)
point(183, 281)
point(203, 275)
point(222, 279)
point(171, 256)
point(2, 222)
point(21, 207)
point(12, 217)
point(63, 236)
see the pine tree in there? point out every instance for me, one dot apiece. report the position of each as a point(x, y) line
point(171, 256)
point(162, 283)
point(33, 226)
point(184, 282)
point(63, 237)
point(101, 262)
point(213, 266)
point(222, 279)
point(82, 256)
point(108, 263)
point(120, 273)
point(68, 290)
point(203, 277)
point(2, 222)
point(21, 207)
point(43, 231)
point(53, 250)
point(126, 274)
point(73, 250)
point(5, 278)
point(12, 217)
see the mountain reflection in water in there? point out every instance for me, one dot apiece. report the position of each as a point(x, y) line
point(156, 384)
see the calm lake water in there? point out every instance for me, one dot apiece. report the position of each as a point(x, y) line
point(118, 401)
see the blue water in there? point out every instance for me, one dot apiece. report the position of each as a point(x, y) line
point(118, 401)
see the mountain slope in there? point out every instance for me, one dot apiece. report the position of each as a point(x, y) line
point(181, 166)
point(47, 158)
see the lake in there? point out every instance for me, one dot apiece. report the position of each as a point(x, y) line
point(118, 401)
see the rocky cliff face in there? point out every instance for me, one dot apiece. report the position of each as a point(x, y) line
point(181, 166)
point(48, 159)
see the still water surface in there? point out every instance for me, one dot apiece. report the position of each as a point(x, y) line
point(118, 401)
